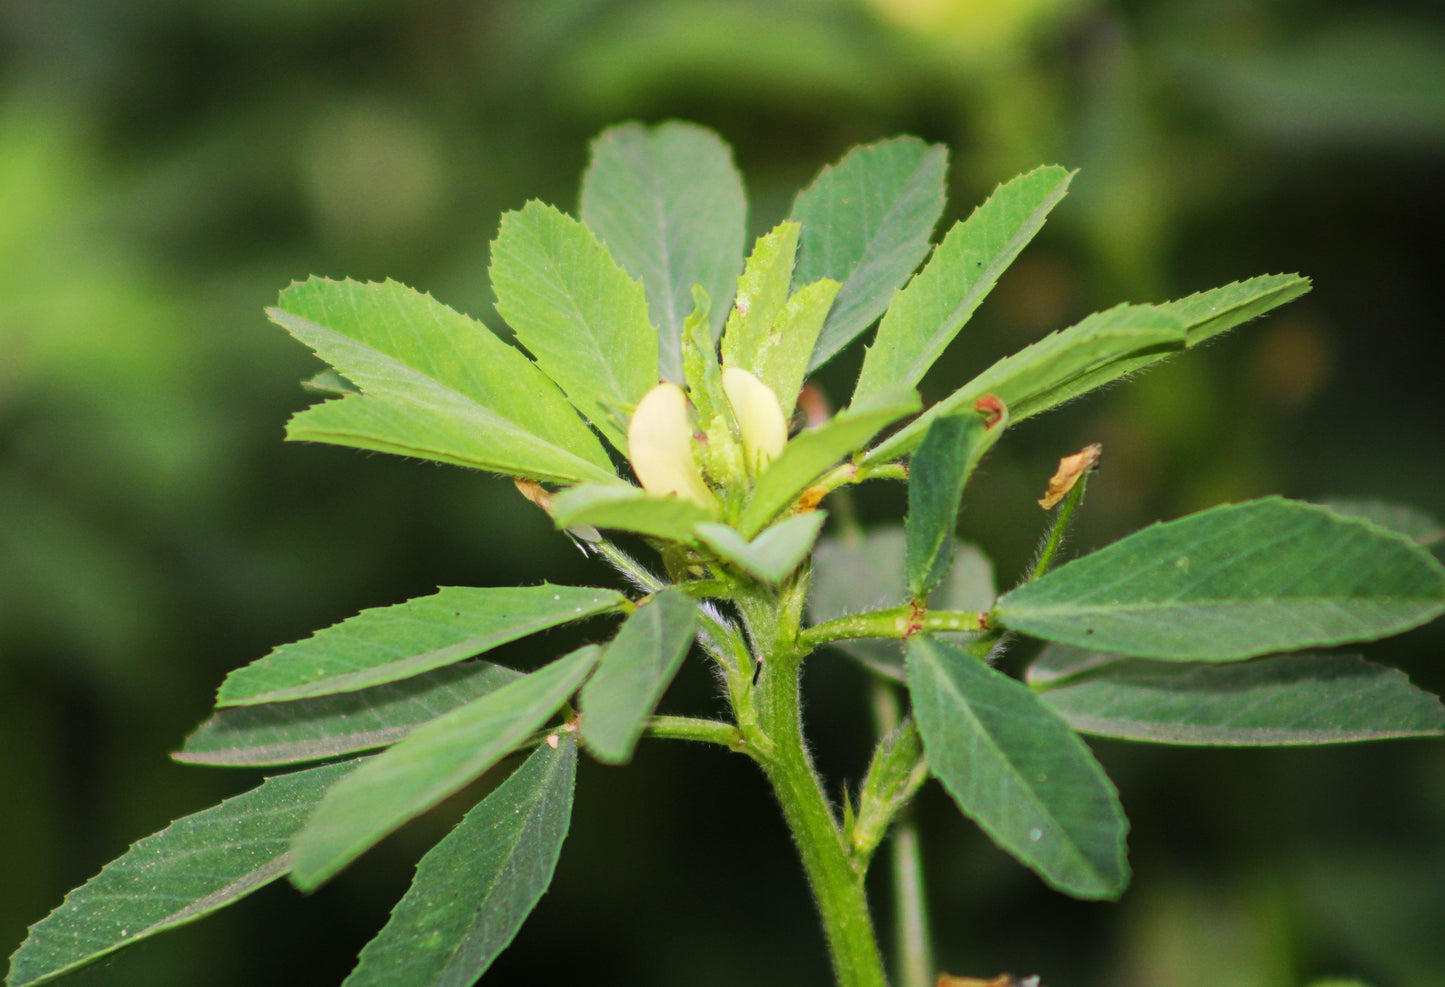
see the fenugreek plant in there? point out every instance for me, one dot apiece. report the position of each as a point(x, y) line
point(658, 387)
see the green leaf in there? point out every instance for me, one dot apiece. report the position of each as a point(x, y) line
point(810, 454)
point(1204, 315)
point(437, 760)
point(668, 203)
point(633, 673)
point(1018, 770)
point(1416, 525)
point(1294, 699)
point(434, 384)
point(628, 509)
point(772, 555)
point(771, 334)
point(925, 316)
point(1103, 348)
point(866, 223)
point(387, 644)
point(854, 575)
point(578, 313)
point(188, 870)
point(937, 473)
point(1026, 381)
point(328, 726)
point(476, 887)
point(762, 293)
point(1233, 582)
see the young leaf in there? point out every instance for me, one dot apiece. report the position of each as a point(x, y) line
point(762, 293)
point(633, 673)
point(1015, 768)
point(1025, 381)
point(856, 575)
point(188, 870)
point(578, 313)
point(771, 334)
point(668, 203)
point(628, 509)
point(435, 761)
point(475, 888)
point(388, 644)
point(434, 384)
point(925, 316)
point(866, 223)
point(772, 555)
point(937, 473)
point(328, 726)
point(1234, 582)
point(808, 456)
point(1294, 699)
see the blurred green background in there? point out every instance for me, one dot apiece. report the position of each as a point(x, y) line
point(165, 168)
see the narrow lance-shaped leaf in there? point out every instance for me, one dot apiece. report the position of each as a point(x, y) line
point(937, 474)
point(866, 223)
point(808, 455)
point(1015, 768)
point(577, 311)
point(1102, 348)
point(1021, 380)
point(434, 762)
point(1204, 315)
point(328, 726)
point(668, 203)
point(388, 644)
point(188, 870)
point(1233, 582)
point(1289, 700)
point(926, 315)
point(633, 673)
point(432, 383)
point(475, 888)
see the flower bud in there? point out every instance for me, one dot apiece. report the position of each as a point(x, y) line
point(759, 415)
point(659, 445)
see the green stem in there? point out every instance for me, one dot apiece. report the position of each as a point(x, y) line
point(894, 622)
point(837, 885)
point(912, 940)
point(693, 728)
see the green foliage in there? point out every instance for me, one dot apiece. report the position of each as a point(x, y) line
point(669, 205)
point(475, 888)
point(937, 474)
point(634, 671)
point(866, 223)
point(433, 383)
point(433, 762)
point(1233, 582)
point(186, 871)
point(393, 643)
point(577, 311)
point(609, 306)
point(267, 734)
point(1018, 770)
point(1287, 700)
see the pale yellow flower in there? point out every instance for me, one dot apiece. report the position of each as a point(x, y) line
point(759, 415)
point(659, 445)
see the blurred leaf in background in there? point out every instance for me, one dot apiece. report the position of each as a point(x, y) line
point(166, 168)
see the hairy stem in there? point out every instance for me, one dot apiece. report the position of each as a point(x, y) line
point(837, 885)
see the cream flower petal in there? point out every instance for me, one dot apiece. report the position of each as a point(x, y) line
point(659, 445)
